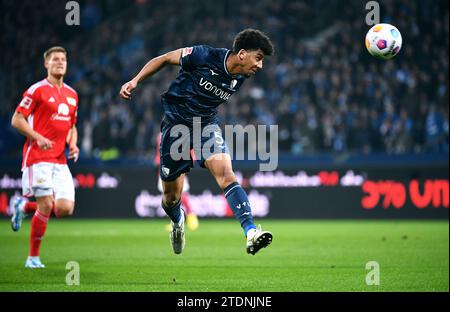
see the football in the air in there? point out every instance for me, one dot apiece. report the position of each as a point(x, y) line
point(383, 41)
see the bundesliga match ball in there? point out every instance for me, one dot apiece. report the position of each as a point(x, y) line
point(383, 41)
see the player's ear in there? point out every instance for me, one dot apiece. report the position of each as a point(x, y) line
point(242, 54)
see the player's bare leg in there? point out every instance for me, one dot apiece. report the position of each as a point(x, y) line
point(171, 203)
point(191, 218)
point(220, 167)
point(38, 227)
point(64, 207)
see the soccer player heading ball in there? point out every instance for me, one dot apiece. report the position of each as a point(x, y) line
point(47, 116)
point(207, 78)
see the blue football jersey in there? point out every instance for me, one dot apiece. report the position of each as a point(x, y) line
point(202, 84)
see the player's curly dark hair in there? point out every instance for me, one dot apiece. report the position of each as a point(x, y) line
point(252, 39)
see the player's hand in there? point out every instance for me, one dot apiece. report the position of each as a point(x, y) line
point(44, 144)
point(127, 88)
point(74, 152)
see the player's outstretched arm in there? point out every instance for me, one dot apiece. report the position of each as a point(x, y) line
point(151, 68)
point(19, 122)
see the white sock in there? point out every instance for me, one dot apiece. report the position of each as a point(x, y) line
point(251, 233)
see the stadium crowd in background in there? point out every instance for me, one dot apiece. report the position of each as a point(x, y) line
point(322, 88)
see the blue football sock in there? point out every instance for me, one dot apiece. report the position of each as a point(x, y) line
point(239, 204)
point(173, 212)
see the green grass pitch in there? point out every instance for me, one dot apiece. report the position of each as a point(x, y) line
point(135, 255)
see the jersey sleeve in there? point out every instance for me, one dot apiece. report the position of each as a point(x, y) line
point(75, 113)
point(28, 103)
point(193, 57)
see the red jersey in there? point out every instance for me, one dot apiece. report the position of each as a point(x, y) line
point(51, 111)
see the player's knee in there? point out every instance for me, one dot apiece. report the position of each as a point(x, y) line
point(64, 209)
point(170, 198)
point(226, 178)
point(45, 205)
point(64, 212)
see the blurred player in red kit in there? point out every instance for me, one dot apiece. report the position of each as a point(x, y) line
point(47, 116)
point(191, 219)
